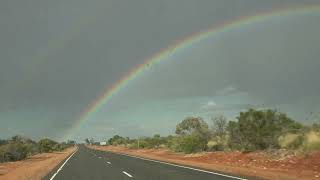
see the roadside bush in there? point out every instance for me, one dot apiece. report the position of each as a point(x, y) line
point(291, 141)
point(219, 126)
point(259, 130)
point(32, 148)
point(193, 135)
point(252, 130)
point(19, 147)
point(147, 142)
point(297, 143)
point(13, 152)
point(173, 143)
point(133, 145)
point(235, 140)
point(156, 141)
point(316, 127)
point(217, 144)
point(3, 141)
point(312, 142)
point(118, 140)
point(47, 145)
point(189, 144)
point(2, 154)
point(143, 143)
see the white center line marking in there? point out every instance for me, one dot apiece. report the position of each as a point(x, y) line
point(54, 175)
point(127, 174)
point(109, 162)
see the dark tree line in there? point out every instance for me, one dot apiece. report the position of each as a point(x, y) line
point(19, 147)
point(252, 130)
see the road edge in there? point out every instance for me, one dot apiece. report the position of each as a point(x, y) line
point(59, 166)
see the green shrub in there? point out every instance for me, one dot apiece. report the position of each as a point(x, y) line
point(235, 140)
point(298, 142)
point(291, 141)
point(188, 144)
point(193, 125)
point(133, 145)
point(156, 141)
point(217, 144)
point(13, 152)
point(173, 143)
point(32, 148)
point(18, 148)
point(259, 130)
point(118, 140)
point(316, 127)
point(47, 145)
point(193, 134)
point(312, 141)
point(143, 143)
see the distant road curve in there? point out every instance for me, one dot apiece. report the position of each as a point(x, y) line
point(85, 164)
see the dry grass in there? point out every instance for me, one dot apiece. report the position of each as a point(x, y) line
point(35, 167)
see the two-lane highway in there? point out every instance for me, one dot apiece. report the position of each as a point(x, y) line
point(88, 164)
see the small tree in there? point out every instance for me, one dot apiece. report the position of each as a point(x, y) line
point(218, 140)
point(257, 129)
point(193, 135)
point(193, 125)
point(219, 125)
point(235, 140)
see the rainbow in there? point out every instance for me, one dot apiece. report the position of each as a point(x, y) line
point(182, 44)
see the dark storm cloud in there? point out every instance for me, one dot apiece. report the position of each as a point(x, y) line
point(57, 56)
point(277, 62)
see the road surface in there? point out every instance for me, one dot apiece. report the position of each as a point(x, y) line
point(87, 164)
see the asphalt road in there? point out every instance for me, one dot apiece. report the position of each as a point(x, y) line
point(87, 164)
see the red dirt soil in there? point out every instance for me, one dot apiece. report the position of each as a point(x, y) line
point(276, 165)
point(35, 167)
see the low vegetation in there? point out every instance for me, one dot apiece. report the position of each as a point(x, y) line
point(251, 131)
point(18, 147)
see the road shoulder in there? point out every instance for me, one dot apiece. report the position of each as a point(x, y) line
point(35, 167)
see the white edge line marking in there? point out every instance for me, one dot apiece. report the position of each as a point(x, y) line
point(54, 175)
point(186, 167)
point(127, 174)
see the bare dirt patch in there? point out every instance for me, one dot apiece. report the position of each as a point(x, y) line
point(35, 167)
point(274, 165)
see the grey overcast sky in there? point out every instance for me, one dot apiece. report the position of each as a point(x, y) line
point(56, 57)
